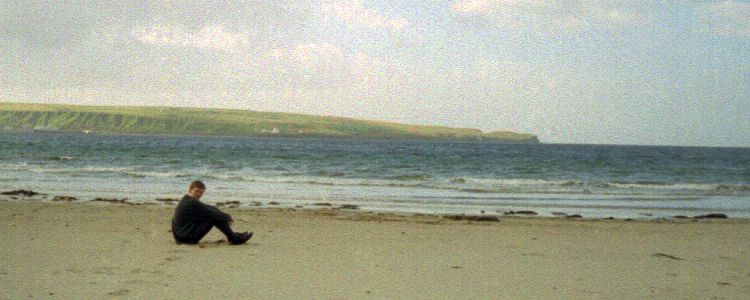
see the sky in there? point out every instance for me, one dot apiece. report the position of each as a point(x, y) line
point(598, 72)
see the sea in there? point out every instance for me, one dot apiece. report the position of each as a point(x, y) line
point(428, 177)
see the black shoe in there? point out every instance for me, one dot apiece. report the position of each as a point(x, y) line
point(241, 238)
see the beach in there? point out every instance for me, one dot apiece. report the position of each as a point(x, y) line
point(99, 250)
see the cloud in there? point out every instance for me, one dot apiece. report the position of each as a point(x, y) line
point(554, 14)
point(728, 18)
point(515, 76)
point(210, 37)
point(325, 66)
point(313, 65)
point(487, 7)
point(309, 53)
point(616, 14)
point(354, 13)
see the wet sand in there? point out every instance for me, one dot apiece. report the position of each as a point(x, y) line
point(101, 250)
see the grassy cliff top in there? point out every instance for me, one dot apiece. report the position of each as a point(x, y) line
point(224, 122)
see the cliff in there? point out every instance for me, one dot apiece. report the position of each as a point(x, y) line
point(224, 122)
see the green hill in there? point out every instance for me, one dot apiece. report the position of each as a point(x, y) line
point(223, 122)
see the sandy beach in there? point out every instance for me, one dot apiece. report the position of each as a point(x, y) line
point(89, 250)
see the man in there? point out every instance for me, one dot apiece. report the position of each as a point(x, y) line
point(193, 219)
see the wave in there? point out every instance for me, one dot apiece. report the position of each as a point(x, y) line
point(742, 188)
point(329, 174)
point(479, 191)
point(607, 184)
point(8, 179)
point(90, 170)
point(13, 167)
point(463, 185)
point(681, 186)
point(59, 158)
point(524, 186)
point(410, 177)
point(221, 177)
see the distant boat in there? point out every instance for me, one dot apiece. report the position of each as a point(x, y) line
point(44, 129)
point(274, 130)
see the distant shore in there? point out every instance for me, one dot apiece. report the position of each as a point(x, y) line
point(78, 250)
point(227, 122)
point(271, 136)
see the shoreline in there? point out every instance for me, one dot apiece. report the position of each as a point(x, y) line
point(284, 136)
point(127, 251)
point(520, 211)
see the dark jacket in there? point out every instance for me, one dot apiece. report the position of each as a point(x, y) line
point(190, 213)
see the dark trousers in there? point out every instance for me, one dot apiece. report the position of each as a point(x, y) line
point(201, 229)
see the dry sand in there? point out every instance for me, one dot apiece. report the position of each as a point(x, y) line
point(84, 251)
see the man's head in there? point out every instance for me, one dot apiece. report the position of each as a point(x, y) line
point(196, 189)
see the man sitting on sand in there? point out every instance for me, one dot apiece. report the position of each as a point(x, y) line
point(193, 219)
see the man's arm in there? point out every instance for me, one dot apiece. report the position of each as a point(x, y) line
point(212, 213)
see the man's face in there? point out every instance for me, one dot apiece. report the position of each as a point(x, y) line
point(196, 192)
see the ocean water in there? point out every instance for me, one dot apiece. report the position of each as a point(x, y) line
point(381, 175)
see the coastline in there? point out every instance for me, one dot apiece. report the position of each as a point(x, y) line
point(401, 208)
point(114, 250)
point(589, 211)
point(533, 141)
point(150, 120)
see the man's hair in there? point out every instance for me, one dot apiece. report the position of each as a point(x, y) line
point(197, 184)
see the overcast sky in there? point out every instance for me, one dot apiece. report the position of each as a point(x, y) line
point(621, 72)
